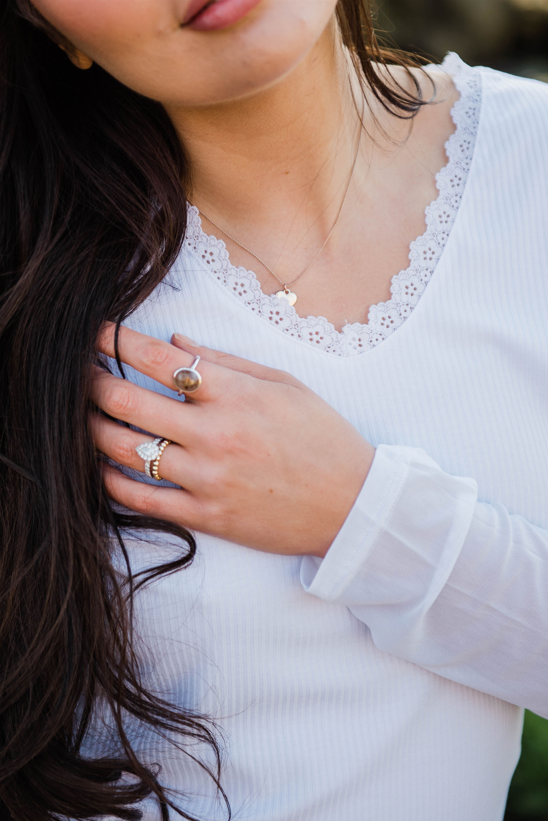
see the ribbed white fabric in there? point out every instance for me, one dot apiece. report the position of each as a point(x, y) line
point(380, 683)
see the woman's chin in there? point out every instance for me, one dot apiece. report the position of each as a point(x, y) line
point(247, 62)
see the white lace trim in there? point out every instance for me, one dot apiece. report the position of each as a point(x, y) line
point(407, 286)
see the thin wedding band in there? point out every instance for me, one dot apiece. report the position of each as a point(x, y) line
point(156, 463)
point(188, 380)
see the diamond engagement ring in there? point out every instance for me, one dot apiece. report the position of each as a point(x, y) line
point(149, 451)
point(188, 380)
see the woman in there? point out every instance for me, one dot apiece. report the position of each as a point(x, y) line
point(360, 626)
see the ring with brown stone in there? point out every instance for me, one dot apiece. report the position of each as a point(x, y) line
point(188, 380)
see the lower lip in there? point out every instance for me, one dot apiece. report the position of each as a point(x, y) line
point(222, 14)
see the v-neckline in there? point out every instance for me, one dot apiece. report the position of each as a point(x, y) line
point(407, 286)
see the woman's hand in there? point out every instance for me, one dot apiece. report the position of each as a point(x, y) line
point(261, 460)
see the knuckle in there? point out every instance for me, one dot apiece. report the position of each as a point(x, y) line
point(208, 477)
point(123, 449)
point(223, 358)
point(120, 400)
point(216, 477)
point(217, 517)
point(248, 399)
point(147, 501)
point(155, 355)
point(224, 442)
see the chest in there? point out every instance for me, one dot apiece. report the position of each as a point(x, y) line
point(339, 269)
point(355, 269)
point(465, 376)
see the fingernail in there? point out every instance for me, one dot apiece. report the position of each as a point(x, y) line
point(185, 340)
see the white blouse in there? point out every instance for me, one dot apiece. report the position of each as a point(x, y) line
point(386, 681)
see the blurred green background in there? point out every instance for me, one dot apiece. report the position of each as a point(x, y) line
point(510, 35)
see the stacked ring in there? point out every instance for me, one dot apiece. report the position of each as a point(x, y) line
point(148, 452)
point(156, 463)
point(151, 453)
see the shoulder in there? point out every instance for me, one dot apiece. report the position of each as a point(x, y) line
point(498, 84)
point(514, 111)
point(507, 116)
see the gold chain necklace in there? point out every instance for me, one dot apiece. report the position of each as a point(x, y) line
point(287, 294)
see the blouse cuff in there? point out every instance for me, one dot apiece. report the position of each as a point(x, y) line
point(402, 537)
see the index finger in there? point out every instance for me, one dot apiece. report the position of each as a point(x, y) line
point(161, 360)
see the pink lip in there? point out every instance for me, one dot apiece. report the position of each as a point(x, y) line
point(203, 15)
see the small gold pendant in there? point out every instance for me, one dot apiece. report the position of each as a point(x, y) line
point(288, 295)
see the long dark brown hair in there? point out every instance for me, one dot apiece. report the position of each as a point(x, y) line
point(92, 215)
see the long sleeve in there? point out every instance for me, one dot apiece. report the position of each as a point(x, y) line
point(454, 585)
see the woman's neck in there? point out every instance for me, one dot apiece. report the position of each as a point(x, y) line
point(280, 158)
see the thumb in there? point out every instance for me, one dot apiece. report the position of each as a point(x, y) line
point(234, 363)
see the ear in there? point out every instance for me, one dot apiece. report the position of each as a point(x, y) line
point(77, 58)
